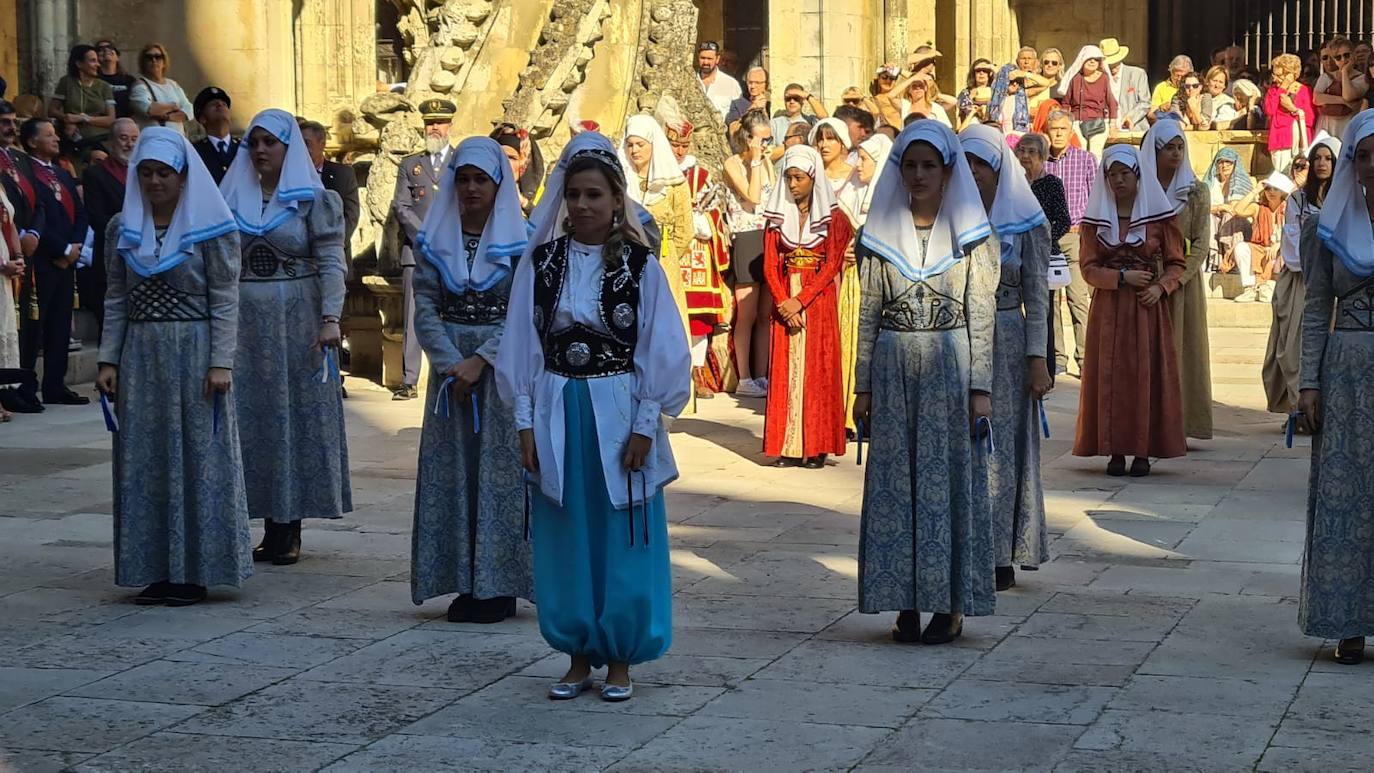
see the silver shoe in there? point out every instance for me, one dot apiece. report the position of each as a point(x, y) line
point(612, 693)
point(564, 691)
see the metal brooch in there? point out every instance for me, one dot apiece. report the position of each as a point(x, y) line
point(623, 316)
point(579, 354)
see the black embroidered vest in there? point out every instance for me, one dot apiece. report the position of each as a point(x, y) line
point(579, 351)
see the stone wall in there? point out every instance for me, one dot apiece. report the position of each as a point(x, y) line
point(1071, 24)
point(9, 45)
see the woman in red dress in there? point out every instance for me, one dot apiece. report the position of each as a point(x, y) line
point(804, 246)
point(1132, 255)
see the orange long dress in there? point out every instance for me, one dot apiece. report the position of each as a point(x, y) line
point(1130, 403)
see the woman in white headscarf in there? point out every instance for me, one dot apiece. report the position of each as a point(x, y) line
point(656, 181)
point(1283, 353)
point(803, 253)
point(1165, 158)
point(1088, 92)
point(1337, 599)
point(925, 373)
point(830, 138)
point(167, 359)
point(594, 361)
point(291, 293)
point(1021, 376)
point(469, 533)
point(1132, 256)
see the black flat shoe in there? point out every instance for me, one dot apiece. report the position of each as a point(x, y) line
point(815, 462)
point(153, 594)
point(289, 551)
point(271, 541)
point(1116, 466)
point(460, 609)
point(784, 461)
point(67, 397)
point(185, 595)
point(493, 610)
point(1350, 652)
point(943, 629)
point(907, 629)
point(1006, 578)
point(1140, 467)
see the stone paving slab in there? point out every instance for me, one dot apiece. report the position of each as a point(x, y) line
point(1162, 635)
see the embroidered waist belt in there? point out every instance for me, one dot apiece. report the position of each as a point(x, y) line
point(473, 307)
point(581, 352)
point(1008, 297)
point(1355, 309)
point(262, 263)
point(803, 262)
point(931, 314)
point(153, 300)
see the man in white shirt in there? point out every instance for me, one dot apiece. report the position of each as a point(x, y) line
point(721, 89)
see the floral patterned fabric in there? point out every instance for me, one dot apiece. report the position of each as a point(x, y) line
point(291, 422)
point(926, 535)
point(469, 533)
point(1337, 600)
point(180, 512)
point(1014, 488)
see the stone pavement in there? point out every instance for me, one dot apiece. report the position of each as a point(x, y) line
point(1163, 636)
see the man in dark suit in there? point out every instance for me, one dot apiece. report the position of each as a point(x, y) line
point(336, 177)
point(416, 183)
point(16, 177)
point(102, 187)
point(49, 287)
point(217, 147)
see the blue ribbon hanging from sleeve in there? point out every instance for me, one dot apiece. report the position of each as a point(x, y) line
point(218, 411)
point(329, 368)
point(984, 423)
point(859, 438)
point(111, 421)
point(1292, 425)
point(1044, 418)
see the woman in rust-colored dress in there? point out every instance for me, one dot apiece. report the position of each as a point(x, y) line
point(1132, 255)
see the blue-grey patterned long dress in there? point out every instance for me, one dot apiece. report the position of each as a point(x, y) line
point(926, 535)
point(469, 534)
point(291, 424)
point(180, 514)
point(1014, 489)
point(1338, 565)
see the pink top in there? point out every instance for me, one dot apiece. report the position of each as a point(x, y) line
point(1281, 124)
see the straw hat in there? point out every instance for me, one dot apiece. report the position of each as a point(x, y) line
point(1113, 51)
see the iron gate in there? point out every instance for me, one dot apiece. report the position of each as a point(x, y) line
point(1267, 28)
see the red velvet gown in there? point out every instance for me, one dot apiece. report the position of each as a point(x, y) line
point(805, 415)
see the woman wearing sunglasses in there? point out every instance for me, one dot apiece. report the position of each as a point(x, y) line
point(1340, 88)
point(156, 99)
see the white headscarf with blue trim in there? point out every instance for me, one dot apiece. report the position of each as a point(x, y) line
point(961, 224)
point(504, 236)
point(1150, 206)
point(242, 186)
point(201, 213)
point(1344, 225)
point(546, 220)
point(1015, 209)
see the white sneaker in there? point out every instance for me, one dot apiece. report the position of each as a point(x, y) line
point(1265, 293)
point(762, 384)
point(749, 387)
point(1248, 295)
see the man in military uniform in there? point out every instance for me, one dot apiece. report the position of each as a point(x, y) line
point(217, 148)
point(416, 183)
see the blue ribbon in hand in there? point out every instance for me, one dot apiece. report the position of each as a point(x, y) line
point(1292, 425)
point(329, 368)
point(441, 404)
point(218, 409)
point(859, 436)
point(984, 425)
point(1044, 419)
point(111, 421)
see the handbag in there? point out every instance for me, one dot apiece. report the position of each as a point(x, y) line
point(1092, 127)
point(1059, 275)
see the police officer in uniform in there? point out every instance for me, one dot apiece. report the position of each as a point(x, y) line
point(217, 147)
point(416, 183)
